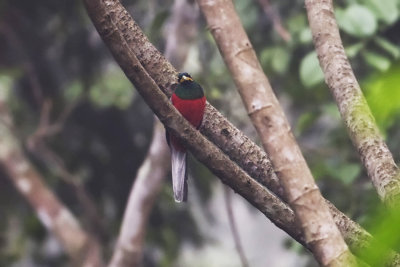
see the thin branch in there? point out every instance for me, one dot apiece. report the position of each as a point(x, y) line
point(147, 185)
point(46, 128)
point(276, 20)
point(57, 165)
point(217, 128)
point(320, 231)
point(36, 143)
point(180, 31)
point(56, 217)
point(27, 65)
point(232, 225)
point(353, 107)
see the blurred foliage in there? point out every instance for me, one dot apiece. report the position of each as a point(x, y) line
point(120, 96)
point(383, 94)
point(364, 22)
point(50, 51)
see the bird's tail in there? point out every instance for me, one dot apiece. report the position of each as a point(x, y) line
point(179, 178)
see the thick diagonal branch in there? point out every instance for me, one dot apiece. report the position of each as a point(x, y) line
point(320, 231)
point(353, 107)
point(180, 31)
point(201, 148)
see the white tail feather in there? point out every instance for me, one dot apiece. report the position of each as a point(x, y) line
point(178, 160)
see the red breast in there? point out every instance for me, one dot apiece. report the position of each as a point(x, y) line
point(191, 109)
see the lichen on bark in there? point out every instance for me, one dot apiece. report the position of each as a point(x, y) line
point(217, 128)
point(355, 112)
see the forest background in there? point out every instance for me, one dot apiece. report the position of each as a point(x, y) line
point(86, 131)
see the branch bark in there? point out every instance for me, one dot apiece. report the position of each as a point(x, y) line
point(56, 218)
point(320, 231)
point(180, 31)
point(215, 126)
point(353, 107)
point(217, 129)
point(37, 145)
point(148, 182)
point(201, 148)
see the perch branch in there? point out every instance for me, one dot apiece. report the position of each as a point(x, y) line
point(180, 31)
point(201, 148)
point(217, 129)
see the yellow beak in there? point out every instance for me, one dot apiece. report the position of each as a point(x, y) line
point(185, 78)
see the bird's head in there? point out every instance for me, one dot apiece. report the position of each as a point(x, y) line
point(184, 77)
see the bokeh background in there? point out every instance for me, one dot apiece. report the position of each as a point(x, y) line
point(52, 59)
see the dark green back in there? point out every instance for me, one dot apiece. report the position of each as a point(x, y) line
point(189, 90)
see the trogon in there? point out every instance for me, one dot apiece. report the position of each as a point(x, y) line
point(188, 98)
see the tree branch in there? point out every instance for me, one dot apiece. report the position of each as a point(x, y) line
point(215, 126)
point(81, 247)
point(266, 114)
point(148, 181)
point(36, 144)
point(234, 230)
point(353, 107)
point(276, 20)
point(201, 148)
point(217, 129)
point(180, 31)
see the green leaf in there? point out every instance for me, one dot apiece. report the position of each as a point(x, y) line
point(347, 173)
point(114, 89)
point(280, 60)
point(214, 93)
point(310, 71)
point(383, 96)
point(248, 13)
point(332, 111)
point(353, 50)
point(266, 56)
point(296, 23)
point(357, 20)
point(5, 87)
point(277, 58)
point(392, 49)
point(74, 91)
point(384, 226)
point(158, 22)
point(377, 61)
point(385, 10)
point(305, 121)
point(305, 36)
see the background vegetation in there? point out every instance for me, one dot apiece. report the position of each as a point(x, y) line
point(50, 55)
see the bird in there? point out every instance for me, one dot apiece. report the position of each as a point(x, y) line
point(189, 99)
